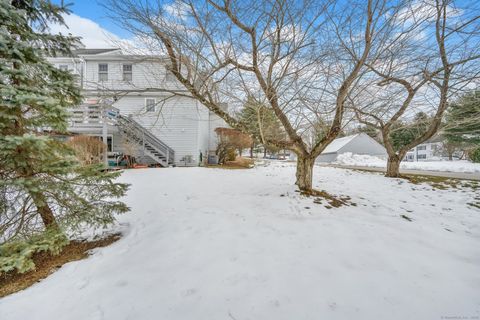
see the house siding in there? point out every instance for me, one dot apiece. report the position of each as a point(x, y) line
point(215, 122)
point(145, 75)
point(176, 122)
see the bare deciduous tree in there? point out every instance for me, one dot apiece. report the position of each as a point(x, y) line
point(301, 58)
point(428, 53)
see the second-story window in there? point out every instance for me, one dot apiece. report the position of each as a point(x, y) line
point(150, 105)
point(127, 72)
point(63, 67)
point(102, 72)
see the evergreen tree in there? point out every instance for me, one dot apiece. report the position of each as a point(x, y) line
point(44, 190)
point(462, 122)
point(371, 131)
point(261, 123)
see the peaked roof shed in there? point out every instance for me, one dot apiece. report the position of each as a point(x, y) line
point(359, 143)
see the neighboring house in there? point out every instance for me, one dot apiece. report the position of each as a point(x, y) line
point(430, 150)
point(129, 103)
point(360, 143)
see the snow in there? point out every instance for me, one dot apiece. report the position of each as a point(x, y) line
point(242, 244)
point(350, 159)
point(337, 144)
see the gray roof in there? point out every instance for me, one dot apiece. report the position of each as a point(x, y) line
point(92, 51)
point(82, 51)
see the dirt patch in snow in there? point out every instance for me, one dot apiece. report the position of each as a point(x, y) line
point(332, 200)
point(46, 264)
point(239, 163)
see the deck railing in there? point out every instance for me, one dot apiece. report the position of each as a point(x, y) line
point(94, 116)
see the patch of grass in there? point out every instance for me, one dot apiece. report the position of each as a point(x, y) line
point(46, 264)
point(474, 204)
point(441, 183)
point(475, 185)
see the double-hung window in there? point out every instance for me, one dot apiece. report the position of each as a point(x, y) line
point(127, 72)
point(150, 105)
point(102, 72)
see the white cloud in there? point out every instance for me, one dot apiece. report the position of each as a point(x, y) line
point(424, 11)
point(178, 10)
point(93, 35)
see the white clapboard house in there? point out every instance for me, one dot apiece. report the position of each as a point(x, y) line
point(430, 150)
point(128, 102)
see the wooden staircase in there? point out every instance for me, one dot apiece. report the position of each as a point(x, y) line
point(152, 147)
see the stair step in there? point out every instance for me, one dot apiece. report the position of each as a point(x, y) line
point(136, 133)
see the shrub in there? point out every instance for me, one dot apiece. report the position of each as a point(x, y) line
point(225, 152)
point(89, 150)
point(231, 154)
point(475, 155)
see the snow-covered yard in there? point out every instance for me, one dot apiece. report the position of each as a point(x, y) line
point(350, 159)
point(242, 244)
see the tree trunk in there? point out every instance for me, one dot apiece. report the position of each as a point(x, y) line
point(251, 151)
point(450, 156)
point(304, 173)
point(44, 210)
point(264, 152)
point(393, 166)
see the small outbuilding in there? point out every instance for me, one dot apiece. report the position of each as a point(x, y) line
point(360, 143)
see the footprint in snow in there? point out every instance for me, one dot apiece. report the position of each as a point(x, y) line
point(275, 303)
point(333, 306)
point(98, 314)
point(83, 283)
point(121, 283)
point(189, 292)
